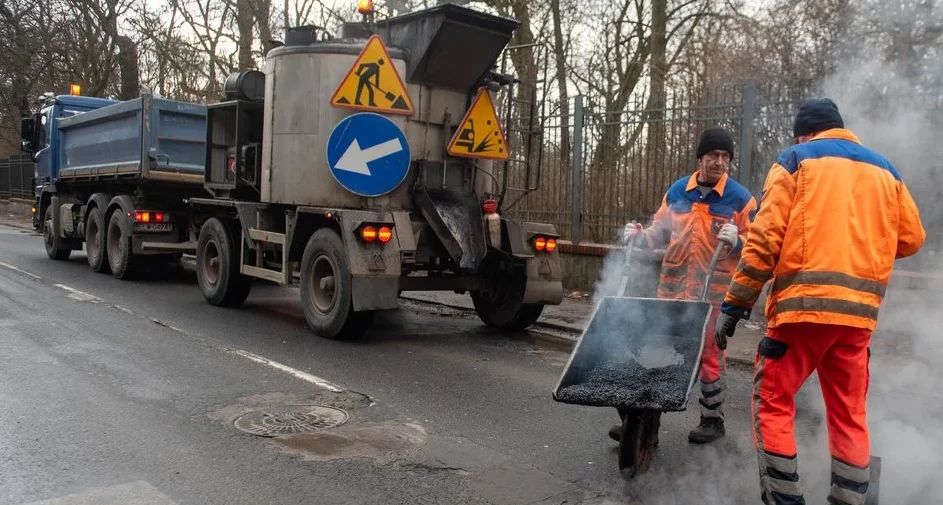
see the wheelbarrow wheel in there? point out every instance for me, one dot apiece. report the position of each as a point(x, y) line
point(637, 445)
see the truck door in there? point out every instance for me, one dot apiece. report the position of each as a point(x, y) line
point(43, 156)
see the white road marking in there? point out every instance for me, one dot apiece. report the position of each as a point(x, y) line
point(305, 376)
point(79, 295)
point(122, 309)
point(17, 270)
point(133, 493)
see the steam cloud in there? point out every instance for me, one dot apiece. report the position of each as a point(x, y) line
point(896, 109)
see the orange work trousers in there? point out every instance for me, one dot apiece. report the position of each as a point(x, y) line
point(713, 366)
point(785, 359)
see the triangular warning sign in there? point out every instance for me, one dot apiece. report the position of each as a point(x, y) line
point(480, 134)
point(373, 84)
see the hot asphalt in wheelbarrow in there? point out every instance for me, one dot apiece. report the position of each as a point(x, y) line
point(637, 353)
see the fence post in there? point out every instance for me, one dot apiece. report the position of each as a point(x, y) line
point(747, 122)
point(577, 169)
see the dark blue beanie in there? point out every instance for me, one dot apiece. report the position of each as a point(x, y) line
point(816, 115)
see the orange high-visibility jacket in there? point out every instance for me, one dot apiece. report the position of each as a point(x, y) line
point(686, 226)
point(833, 217)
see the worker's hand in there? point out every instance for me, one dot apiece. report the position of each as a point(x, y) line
point(631, 232)
point(723, 329)
point(728, 234)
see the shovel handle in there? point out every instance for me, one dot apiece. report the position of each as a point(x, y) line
point(710, 269)
point(627, 261)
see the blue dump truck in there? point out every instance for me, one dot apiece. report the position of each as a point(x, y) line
point(306, 175)
point(114, 176)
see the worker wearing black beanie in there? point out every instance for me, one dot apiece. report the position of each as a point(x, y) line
point(835, 217)
point(816, 115)
point(700, 212)
point(714, 138)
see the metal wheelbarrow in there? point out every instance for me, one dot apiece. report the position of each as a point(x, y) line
point(641, 356)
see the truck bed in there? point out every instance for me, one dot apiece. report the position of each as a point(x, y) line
point(146, 139)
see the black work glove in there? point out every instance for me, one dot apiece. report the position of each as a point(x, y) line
point(723, 329)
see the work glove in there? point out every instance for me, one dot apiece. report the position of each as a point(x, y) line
point(728, 235)
point(723, 329)
point(631, 232)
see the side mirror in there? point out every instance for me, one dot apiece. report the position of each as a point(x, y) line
point(27, 135)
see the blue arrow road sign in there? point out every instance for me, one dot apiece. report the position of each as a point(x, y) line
point(368, 154)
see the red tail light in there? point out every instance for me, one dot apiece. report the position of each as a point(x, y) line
point(143, 216)
point(368, 234)
point(385, 234)
point(540, 243)
point(551, 244)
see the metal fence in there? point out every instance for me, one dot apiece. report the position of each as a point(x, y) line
point(16, 177)
point(601, 169)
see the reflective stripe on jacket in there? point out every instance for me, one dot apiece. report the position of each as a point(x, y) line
point(686, 225)
point(833, 217)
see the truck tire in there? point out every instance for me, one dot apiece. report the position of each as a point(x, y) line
point(118, 246)
point(53, 243)
point(95, 245)
point(327, 289)
point(500, 304)
point(217, 266)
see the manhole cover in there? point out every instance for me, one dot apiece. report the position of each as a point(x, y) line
point(290, 420)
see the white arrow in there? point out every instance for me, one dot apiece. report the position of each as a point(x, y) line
point(355, 159)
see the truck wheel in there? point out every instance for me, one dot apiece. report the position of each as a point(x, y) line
point(500, 303)
point(52, 242)
point(327, 291)
point(118, 246)
point(95, 247)
point(217, 266)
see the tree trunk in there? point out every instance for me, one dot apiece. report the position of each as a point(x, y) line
point(244, 20)
point(559, 53)
point(262, 10)
point(128, 67)
point(658, 69)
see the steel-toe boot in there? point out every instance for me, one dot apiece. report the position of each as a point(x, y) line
point(708, 431)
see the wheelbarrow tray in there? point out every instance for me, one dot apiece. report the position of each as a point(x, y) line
point(637, 354)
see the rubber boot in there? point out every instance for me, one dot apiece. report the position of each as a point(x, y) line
point(615, 432)
point(708, 431)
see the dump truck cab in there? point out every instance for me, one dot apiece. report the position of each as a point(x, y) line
point(38, 134)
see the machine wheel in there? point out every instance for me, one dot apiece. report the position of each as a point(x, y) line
point(500, 303)
point(217, 266)
point(52, 242)
point(95, 246)
point(118, 246)
point(327, 290)
point(637, 445)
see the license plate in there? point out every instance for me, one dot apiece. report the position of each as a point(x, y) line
point(155, 227)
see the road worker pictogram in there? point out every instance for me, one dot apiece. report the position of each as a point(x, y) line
point(480, 134)
point(373, 84)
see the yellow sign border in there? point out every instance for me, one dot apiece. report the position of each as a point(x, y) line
point(481, 92)
point(380, 110)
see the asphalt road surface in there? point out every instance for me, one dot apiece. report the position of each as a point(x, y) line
point(127, 392)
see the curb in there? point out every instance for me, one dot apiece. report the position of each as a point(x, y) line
point(551, 326)
point(16, 224)
point(568, 330)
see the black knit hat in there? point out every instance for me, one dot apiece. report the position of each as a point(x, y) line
point(714, 138)
point(816, 115)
